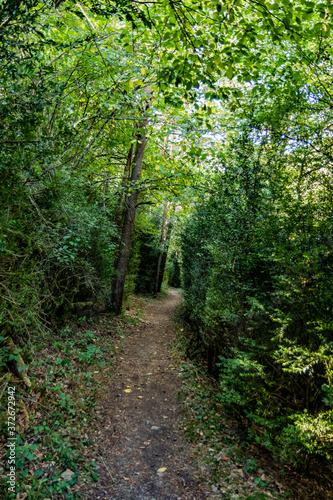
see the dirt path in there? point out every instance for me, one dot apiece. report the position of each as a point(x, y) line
point(143, 453)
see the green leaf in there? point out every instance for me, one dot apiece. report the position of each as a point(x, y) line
point(94, 476)
point(230, 72)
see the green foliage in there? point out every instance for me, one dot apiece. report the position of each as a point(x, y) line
point(174, 271)
point(239, 372)
point(148, 254)
point(257, 280)
point(308, 435)
point(66, 399)
point(54, 257)
point(257, 259)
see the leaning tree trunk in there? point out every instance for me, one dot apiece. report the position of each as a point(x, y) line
point(163, 254)
point(118, 283)
point(125, 181)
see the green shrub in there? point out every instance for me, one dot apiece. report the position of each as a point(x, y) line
point(258, 280)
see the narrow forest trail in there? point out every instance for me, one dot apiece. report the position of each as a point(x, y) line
point(141, 420)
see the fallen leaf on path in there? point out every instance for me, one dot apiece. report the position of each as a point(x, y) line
point(140, 397)
point(126, 478)
point(162, 469)
point(67, 475)
point(127, 390)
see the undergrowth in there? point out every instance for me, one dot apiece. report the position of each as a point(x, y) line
point(67, 370)
point(229, 458)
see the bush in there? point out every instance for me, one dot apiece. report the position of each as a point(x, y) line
point(257, 263)
point(54, 255)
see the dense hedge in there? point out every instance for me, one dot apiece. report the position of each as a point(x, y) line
point(258, 282)
point(58, 247)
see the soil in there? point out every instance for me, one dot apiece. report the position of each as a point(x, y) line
point(142, 451)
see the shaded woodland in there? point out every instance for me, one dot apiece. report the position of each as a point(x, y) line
point(181, 142)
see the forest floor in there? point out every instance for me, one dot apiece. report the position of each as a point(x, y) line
point(143, 454)
point(117, 412)
point(142, 450)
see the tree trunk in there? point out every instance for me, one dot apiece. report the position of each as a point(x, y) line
point(118, 283)
point(164, 247)
point(125, 181)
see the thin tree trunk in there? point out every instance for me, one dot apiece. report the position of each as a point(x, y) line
point(125, 181)
point(163, 254)
point(117, 288)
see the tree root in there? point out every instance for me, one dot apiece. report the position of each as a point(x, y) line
point(18, 364)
